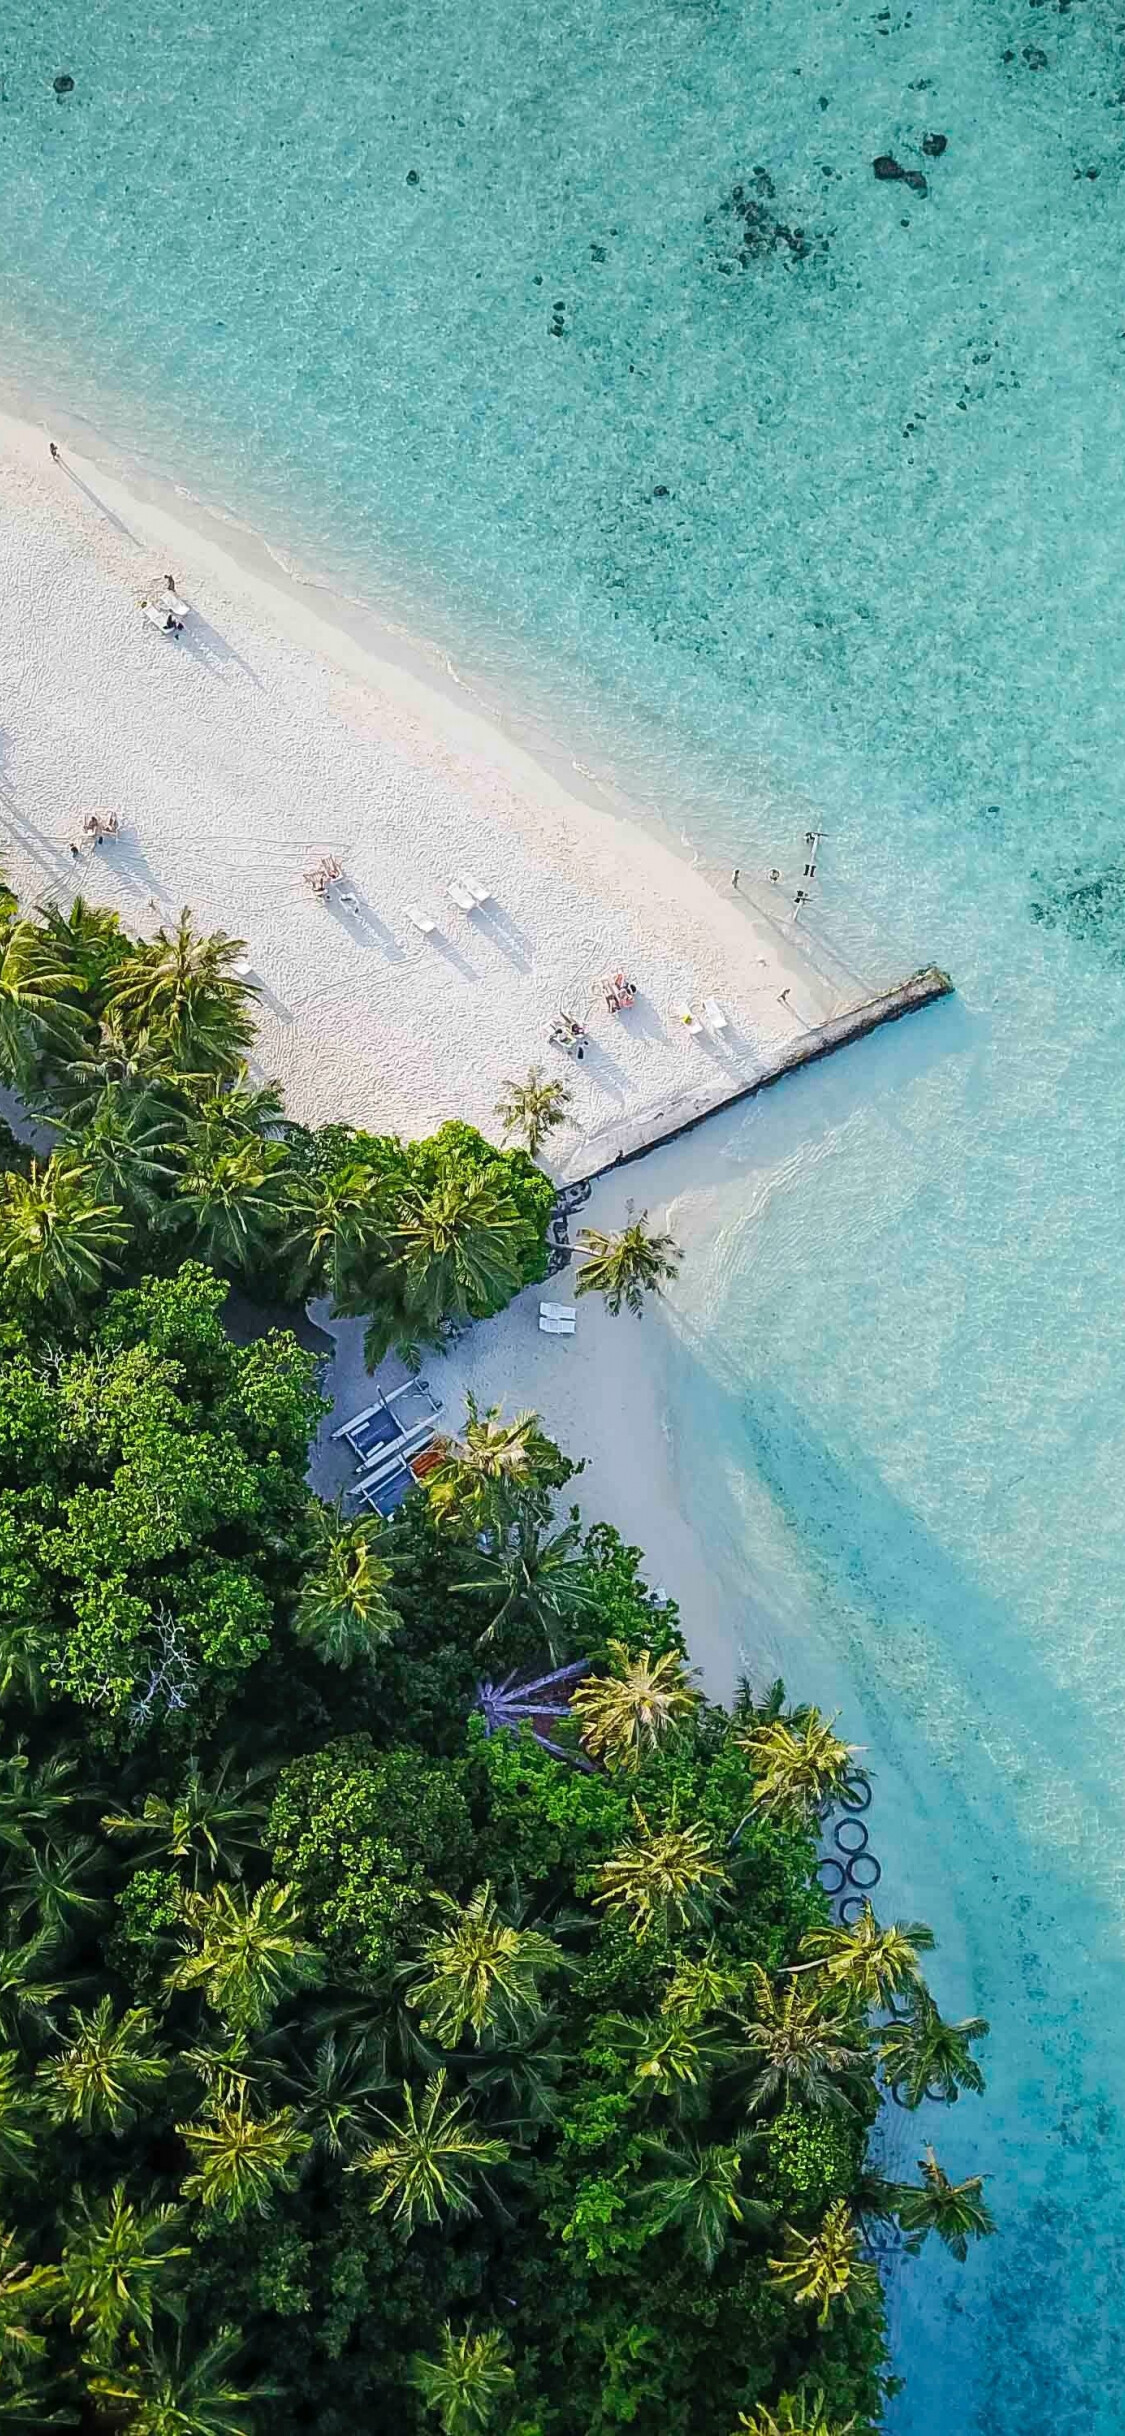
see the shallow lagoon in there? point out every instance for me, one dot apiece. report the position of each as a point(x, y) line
point(453, 304)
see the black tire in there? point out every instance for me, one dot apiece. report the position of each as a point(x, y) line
point(831, 1886)
point(864, 1861)
point(848, 1830)
point(851, 1910)
point(855, 1793)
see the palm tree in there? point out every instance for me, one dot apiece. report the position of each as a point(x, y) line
point(35, 1800)
point(38, 1013)
point(56, 1238)
point(492, 1458)
point(626, 1266)
point(211, 1823)
point(89, 944)
point(233, 1199)
point(342, 1611)
point(159, 2394)
point(801, 2048)
point(480, 1972)
point(703, 1984)
point(534, 1107)
point(251, 1955)
point(662, 1878)
point(226, 1112)
point(180, 989)
point(542, 1577)
point(115, 2258)
point(25, 2293)
point(923, 2056)
point(872, 1963)
point(333, 1224)
point(27, 1989)
point(799, 1765)
point(671, 2059)
point(954, 2211)
point(430, 2160)
point(131, 1062)
point(53, 1881)
point(465, 2383)
point(825, 2266)
point(696, 2193)
point(124, 1142)
point(106, 2072)
point(24, 1651)
point(335, 2090)
point(800, 2414)
point(628, 1711)
point(242, 2159)
point(458, 1245)
point(19, 2118)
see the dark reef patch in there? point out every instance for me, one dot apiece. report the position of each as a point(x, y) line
point(750, 230)
point(1088, 905)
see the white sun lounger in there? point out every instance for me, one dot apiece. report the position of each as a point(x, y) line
point(160, 618)
point(479, 894)
point(558, 1311)
point(715, 1016)
point(550, 1327)
point(690, 1022)
point(422, 921)
point(461, 897)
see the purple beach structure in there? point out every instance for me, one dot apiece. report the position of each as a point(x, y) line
point(515, 1704)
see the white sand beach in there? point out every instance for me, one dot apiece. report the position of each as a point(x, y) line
point(269, 736)
point(266, 738)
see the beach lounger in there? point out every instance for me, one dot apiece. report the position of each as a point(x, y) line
point(160, 618)
point(479, 894)
point(684, 1015)
point(558, 1311)
point(556, 1327)
point(715, 1016)
point(461, 897)
point(422, 921)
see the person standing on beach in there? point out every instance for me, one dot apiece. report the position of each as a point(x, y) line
point(54, 454)
point(735, 874)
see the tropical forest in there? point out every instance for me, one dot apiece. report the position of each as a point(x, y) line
point(420, 2007)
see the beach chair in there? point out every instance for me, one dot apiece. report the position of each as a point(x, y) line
point(683, 1014)
point(479, 894)
point(422, 921)
point(558, 1319)
point(462, 897)
point(715, 1015)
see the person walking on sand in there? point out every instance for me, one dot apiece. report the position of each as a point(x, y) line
point(171, 600)
point(54, 453)
point(734, 875)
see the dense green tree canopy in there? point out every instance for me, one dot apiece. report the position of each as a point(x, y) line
point(369, 2058)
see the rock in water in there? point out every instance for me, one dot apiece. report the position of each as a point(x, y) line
point(934, 145)
point(64, 84)
point(887, 167)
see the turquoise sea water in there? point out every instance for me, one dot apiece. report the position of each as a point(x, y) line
point(590, 338)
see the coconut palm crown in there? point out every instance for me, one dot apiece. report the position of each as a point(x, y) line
point(629, 1710)
point(625, 1266)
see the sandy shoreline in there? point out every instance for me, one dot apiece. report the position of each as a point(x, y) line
point(268, 738)
point(272, 735)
